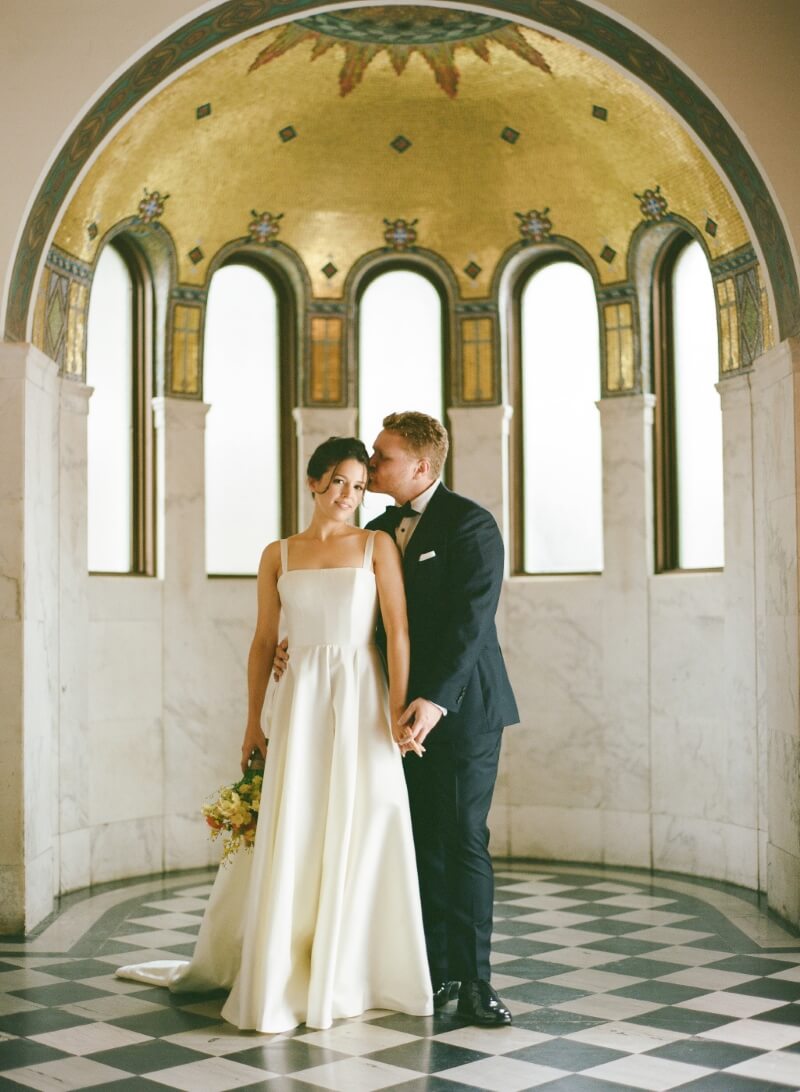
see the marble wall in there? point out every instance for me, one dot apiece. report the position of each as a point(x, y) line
point(660, 720)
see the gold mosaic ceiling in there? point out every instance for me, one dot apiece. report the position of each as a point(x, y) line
point(342, 89)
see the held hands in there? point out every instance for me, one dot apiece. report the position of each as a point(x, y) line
point(415, 724)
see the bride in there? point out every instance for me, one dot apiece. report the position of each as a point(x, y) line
point(322, 919)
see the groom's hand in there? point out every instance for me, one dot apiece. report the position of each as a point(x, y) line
point(280, 660)
point(421, 717)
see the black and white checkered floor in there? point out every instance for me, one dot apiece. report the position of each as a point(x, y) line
point(617, 979)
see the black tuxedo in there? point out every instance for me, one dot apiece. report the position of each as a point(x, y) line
point(453, 568)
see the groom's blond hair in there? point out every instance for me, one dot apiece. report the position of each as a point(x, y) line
point(426, 436)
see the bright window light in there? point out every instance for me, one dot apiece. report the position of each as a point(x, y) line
point(698, 417)
point(562, 468)
point(240, 383)
point(109, 370)
point(400, 357)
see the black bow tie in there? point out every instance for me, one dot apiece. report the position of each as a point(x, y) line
point(398, 512)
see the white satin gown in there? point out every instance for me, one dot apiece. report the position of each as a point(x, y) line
point(322, 919)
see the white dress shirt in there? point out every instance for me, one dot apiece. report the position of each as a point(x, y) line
point(406, 527)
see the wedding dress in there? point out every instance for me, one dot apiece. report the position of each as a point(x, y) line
point(321, 919)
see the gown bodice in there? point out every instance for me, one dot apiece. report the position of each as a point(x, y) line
point(336, 607)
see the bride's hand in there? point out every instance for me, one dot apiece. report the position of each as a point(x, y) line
point(253, 741)
point(404, 738)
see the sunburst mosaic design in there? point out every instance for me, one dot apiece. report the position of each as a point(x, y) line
point(400, 32)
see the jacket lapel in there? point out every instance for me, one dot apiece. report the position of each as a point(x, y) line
point(428, 525)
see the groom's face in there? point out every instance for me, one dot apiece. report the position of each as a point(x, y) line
point(394, 469)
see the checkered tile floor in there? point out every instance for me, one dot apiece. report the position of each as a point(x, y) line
point(616, 980)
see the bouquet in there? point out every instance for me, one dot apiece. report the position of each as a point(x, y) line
point(234, 813)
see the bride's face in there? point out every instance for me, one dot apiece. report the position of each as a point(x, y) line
point(340, 490)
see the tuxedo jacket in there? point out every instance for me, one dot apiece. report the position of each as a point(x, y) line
point(453, 568)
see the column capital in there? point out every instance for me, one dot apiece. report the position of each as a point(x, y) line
point(179, 413)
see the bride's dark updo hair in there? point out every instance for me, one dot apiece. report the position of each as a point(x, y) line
point(335, 450)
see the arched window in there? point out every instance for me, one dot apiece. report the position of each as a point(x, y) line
point(119, 432)
point(400, 332)
point(688, 438)
point(558, 424)
point(243, 427)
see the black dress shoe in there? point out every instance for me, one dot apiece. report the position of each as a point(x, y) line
point(478, 1003)
point(444, 992)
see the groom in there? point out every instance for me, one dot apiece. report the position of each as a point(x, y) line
point(462, 699)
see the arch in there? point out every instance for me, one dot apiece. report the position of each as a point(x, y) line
point(647, 245)
point(435, 270)
point(571, 18)
point(557, 548)
point(287, 274)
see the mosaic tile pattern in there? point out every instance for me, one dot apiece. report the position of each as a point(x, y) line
point(619, 982)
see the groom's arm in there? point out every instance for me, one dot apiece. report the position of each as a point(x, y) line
point(474, 580)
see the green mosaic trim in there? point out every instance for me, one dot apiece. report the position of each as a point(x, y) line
point(569, 17)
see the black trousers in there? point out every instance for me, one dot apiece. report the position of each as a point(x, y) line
point(450, 791)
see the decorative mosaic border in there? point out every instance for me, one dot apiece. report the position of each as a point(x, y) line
point(569, 17)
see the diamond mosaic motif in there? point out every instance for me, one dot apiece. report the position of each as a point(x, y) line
point(608, 254)
point(203, 111)
point(330, 270)
point(91, 230)
point(472, 270)
point(287, 133)
point(600, 113)
point(509, 135)
point(400, 144)
point(196, 255)
point(55, 319)
point(711, 227)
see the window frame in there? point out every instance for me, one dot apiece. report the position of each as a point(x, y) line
point(288, 341)
point(666, 507)
point(404, 264)
point(517, 461)
point(143, 440)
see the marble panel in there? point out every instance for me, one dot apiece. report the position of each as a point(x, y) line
point(131, 847)
point(576, 834)
point(557, 761)
point(784, 783)
point(687, 644)
point(479, 460)
point(692, 757)
point(75, 860)
point(126, 666)
point(39, 872)
point(12, 898)
point(126, 769)
point(783, 883)
point(781, 674)
point(781, 555)
point(125, 598)
point(187, 843)
point(703, 847)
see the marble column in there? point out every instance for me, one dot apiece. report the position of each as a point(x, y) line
point(776, 378)
point(29, 539)
point(190, 762)
point(479, 457)
point(314, 424)
point(741, 766)
point(73, 747)
point(625, 753)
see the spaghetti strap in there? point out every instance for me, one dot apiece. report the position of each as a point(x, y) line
point(368, 549)
point(284, 556)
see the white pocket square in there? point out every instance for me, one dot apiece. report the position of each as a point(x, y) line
point(430, 553)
